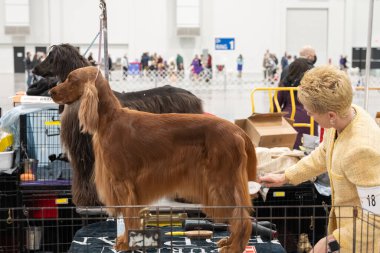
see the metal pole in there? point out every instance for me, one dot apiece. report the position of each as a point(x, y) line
point(105, 36)
point(92, 43)
point(368, 55)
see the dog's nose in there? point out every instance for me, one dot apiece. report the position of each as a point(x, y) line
point(52, 92)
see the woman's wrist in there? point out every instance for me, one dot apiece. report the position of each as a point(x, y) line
point(333, 245)
point(285, 179)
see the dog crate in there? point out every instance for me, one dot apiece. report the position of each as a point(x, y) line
point(8, 198)
point(288, 201)
point(41, 154)
point(47, 215)
point(40, 144)
point(42, 214)
point(41, 186)
point(27, 234)
point(162, 229)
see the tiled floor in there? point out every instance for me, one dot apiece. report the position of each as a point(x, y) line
point(229, 101)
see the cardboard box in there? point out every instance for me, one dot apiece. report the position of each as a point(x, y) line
point(269, 130)
point(377, 118)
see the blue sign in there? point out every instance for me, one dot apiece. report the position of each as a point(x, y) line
point(224, 43)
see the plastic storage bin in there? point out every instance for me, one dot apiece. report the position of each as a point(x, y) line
point(6, 160)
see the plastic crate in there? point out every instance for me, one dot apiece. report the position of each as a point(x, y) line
point(286, 207)
point(289, 195)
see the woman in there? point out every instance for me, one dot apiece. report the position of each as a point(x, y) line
point(239, 62)
point(196, 67)
point(295, 73)
point(349, 153)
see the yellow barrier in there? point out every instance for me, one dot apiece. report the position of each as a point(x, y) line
point(369, 88)
point(273, 93)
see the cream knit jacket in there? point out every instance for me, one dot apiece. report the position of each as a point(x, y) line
point(352, 159)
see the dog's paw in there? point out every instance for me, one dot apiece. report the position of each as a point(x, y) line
point(121, 243)
point(230, 249)
point(225, 249)
point(222, 242)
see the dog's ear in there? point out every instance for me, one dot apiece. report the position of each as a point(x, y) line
point(88, 110)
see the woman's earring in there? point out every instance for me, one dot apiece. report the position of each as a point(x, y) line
point(332, 122)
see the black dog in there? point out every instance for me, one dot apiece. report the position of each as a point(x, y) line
point(63, 59)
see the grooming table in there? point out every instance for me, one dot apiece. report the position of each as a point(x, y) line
point(100, 237)
point(164, 205)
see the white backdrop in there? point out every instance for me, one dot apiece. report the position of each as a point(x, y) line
point(150, 25)
point(308, 27)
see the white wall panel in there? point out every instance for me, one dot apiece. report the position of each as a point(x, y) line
point(7, 65)
point(80, 20)
point(150, 25)
point(307, 27)
point(360, 12)
point(17, 12)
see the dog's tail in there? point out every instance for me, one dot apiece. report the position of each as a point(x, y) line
point(251, 159)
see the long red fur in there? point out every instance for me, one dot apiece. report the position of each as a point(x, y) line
point(141, 157)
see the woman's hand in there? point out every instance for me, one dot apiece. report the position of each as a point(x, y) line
point(272, 180)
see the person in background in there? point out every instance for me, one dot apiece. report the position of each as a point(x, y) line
point(42, 57)
point(91, 60)
point(307, 52)
point(270, 62)
point(197, 67)
point(160, 64)
point(144, 61)
point(284, 61)
point(179, 62)
point(125, 66)
point(172, 70)
point(110, 66)
point(35, 60)
point(28, 68)
point(290, 60)
point(273, 71)
point(295, 73)
point(343, 63)
point(349, 153)
point(209, 68)
point(267, 64)
point(240, 62)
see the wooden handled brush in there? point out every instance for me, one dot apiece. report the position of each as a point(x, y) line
point(200, 234)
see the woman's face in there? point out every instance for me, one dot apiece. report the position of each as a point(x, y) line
point(323, 119)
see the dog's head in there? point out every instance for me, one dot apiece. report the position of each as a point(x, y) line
point(61, 60)
point(80, 85)
point(75, 85)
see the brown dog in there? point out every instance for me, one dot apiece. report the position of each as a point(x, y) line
point(140, 157)
point(64, 58)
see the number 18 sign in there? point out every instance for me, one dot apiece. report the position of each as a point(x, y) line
point(370, 198)
point(224, 43)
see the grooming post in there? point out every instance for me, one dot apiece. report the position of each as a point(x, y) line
point(103, 6)
point(368, 53)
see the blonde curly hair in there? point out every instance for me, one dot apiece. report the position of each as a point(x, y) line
point(325, 89)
